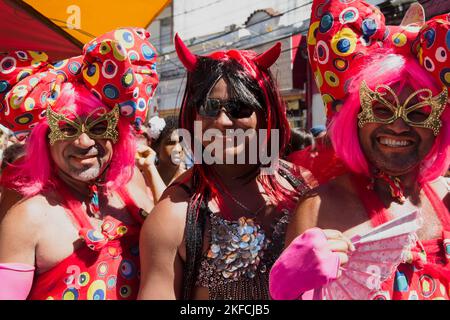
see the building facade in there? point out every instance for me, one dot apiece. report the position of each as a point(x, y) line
point(210, 25)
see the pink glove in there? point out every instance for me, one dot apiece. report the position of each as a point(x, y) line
point(306, 264)
point(16, 280)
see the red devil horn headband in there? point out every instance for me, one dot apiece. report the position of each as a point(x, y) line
point(188, 59)
point(265, 60)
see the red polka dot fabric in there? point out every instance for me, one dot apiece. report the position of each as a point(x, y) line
point(118, 67)
point(343, 32)
point(434, 48)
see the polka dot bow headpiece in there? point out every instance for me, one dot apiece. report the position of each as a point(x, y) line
point(343, 32)
point(118, 67)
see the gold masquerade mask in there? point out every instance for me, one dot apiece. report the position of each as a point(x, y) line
point(62, 128)
point(376, 108)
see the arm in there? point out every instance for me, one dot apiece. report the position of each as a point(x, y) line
point(154, 181)
point(161, 239)
point(17, 257)
point(312, 257)
point(137, 188)
point(305, 216)
point(145, 160)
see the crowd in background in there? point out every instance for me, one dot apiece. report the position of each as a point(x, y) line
point(161, 156)
point(137, 216)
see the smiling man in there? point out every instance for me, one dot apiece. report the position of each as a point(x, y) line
point(227, 219)
point(75, 234)
point(390, 127)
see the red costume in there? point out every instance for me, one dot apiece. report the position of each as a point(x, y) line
point(426, 274)
point(105, 267)
point(343, 38)
point(119, 68)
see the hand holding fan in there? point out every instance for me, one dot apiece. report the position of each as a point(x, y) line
point(377, 255)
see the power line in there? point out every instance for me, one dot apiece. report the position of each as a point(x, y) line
point(275, 78)
point(192, 10)
point(226, 33)
point(281, 13)
point(180, 67)
point(220, 15)
point(252, 37)
point(184, 76)
point(86, 33)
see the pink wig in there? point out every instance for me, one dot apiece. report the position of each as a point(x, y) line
point(389, 69)
point(24, 176)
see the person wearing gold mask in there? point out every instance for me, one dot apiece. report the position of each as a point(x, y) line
point(75, 233)
point(389, 124)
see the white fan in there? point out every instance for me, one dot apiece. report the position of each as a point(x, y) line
point(377, 255)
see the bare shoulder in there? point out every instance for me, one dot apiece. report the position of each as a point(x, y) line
point(136, 181)
point(29, 211)
point(304, 217)
point(169, 214)
point(137, 178)
point(23, 222)
point(167, 219)
point(310, 209)
point(162, 246)
point(319, 208)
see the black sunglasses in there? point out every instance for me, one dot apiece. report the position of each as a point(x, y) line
point(233, 108)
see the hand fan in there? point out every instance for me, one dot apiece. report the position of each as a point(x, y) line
point(377, 255)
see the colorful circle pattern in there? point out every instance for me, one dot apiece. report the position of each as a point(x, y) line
point(84, 279)
point(340, 64)
point(102, 269)
point(128, 108)
point(111, 92)
point(125, 37)
point(22, 55)
point(349, 15)
point(127, 269)
point(70, 294)
point(428, 285)
point(111, 282)
point(326, 23)
point(4, 86)
point(323, 52)
point(344, 42)
point(97, 290)
point(111, 67)
point(7, 65)
point(430, 37)
point(399, 39)
point(344, 31)
point(125, 291)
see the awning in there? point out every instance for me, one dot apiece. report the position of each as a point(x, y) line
point(91, 18)
point(23, 28)
point(61, 27)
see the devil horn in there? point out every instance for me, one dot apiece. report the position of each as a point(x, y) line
point(414, 15)
point(266, 59)
point(186, 57)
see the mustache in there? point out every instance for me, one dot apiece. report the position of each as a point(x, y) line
point(408, 134)
point(94, 151)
